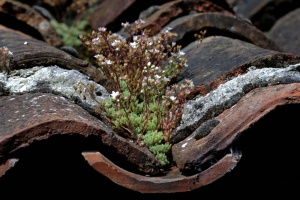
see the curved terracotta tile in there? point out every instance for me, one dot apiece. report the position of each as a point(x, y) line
point(247, 9)
point(107, 12)
point(236, 27)
point(174, 9)
point(191, 153)
point(10, 163)
point(285, 32)
point(23, 121)
point(264, 13)
point(29, 117)
point(231, 57)
point(35, 20)
point(172, 182)
point(29, 52)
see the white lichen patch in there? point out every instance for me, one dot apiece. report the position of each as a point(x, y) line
point(227, 94)
point(50, 79)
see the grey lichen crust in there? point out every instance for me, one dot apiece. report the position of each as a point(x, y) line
point(206, 107)
point(50, 79)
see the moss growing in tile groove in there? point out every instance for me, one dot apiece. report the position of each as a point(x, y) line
point(144, 106)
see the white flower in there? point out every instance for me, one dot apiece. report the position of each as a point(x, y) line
point(95, 40)
point(115, 42)
point(102, 29)
point(126, 24)
point(181, 53)
point(172, 98)
point(108, 62)
point(114, 94)
point(166, 79)
point(140, 21)
point(133, 44)
point(6, 49)
point(167, 29)
point(157, 76)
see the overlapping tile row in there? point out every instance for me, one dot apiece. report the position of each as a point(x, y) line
point(243, 71)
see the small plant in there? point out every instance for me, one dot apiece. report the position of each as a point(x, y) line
point(70, 33)
point(144, 106)
point(74, 23)
point(5, 57)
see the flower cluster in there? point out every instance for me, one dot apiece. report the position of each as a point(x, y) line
point(5, 56)
point(145, 105)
